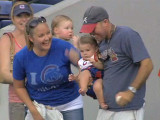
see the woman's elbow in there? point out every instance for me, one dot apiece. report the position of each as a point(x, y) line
point(2, 78)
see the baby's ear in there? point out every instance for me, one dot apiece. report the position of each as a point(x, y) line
point(97, 49)
point(96, 57)
point(55, 31)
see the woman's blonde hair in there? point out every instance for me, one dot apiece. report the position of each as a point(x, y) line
point(20, 3)
point(57, 20)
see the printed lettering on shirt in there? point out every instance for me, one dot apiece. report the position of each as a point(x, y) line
point(46, 88)
point(33, 78)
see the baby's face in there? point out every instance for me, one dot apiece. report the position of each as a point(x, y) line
point(87, 50)
point(64, 30)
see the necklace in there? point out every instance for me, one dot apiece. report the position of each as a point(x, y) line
point(113, 29)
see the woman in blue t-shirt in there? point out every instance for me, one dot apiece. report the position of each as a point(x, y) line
point(45, 63)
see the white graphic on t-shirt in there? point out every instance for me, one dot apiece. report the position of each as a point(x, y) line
point(83, 64)
point(104, 54)
point(112, 55)
point(51, 75)
point(109, 53)
point(51, 78)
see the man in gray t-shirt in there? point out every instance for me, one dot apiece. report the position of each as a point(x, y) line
point(127, 65)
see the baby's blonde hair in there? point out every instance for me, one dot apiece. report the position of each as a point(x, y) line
point(57, 20)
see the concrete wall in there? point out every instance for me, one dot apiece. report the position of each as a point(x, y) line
point(142, 15)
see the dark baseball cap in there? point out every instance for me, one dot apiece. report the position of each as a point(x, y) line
point(23, 8)
point(92, 16)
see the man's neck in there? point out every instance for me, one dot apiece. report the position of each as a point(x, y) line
point(113, 28)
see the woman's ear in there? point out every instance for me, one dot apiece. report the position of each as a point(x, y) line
point(30, 38)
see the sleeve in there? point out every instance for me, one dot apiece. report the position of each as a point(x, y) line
point(18, 69)
point(133, 46)
point(72, 53)
point(70, 46)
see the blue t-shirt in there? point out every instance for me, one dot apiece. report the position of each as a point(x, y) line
point(47, 76)
point(122, 55)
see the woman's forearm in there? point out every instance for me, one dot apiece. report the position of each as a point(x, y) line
point(24, 96)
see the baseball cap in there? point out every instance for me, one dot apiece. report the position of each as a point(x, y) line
point(23, 8)
point(92, 16)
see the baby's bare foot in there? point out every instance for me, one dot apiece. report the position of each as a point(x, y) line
point(82, 91)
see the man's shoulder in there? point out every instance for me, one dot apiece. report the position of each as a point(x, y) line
point(126, 32)
point(124, 29)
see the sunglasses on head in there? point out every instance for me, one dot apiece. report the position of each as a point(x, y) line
point(35, 22)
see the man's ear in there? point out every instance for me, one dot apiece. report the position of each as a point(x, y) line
point(106, 20)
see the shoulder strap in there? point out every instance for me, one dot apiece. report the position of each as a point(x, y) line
point(12, 49)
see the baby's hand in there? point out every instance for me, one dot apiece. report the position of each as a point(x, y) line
point(71, 77)
point(75, 40)
point(90, 60)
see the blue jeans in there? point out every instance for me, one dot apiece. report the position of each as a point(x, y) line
point(76, 114)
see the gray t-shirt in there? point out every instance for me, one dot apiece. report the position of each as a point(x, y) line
point(122, 55)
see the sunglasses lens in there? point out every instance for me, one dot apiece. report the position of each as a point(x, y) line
point(41, 20)
point(35, 22)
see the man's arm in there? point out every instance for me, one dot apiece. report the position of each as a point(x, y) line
point(21, 91)
point(145, 69)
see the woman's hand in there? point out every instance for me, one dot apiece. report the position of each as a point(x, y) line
point(36, 115)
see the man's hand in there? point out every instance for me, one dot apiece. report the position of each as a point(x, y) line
point(124, 97)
